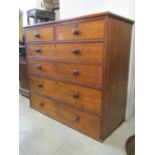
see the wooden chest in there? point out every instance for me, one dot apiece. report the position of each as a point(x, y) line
point(78, 70)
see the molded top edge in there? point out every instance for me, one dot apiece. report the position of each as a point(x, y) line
point(83, 17)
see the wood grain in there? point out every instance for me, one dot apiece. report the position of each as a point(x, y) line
point(23, 76)
point(87, 30)
point(72, 117)
point(73, 71)
point(45, 34)
point(90, 52)
point(88, 99)
point(79, 69)
point(116, 76)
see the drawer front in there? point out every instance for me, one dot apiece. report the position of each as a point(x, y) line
point(82, 97)
point(40, 34)
point(92, 52)
point(89, 74)
point(74, 118)
point(85, 30)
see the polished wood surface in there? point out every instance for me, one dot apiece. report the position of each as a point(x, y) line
point(45, 34)
point(84, 73)
point(89, 52)
point(83, 66)
point(84, 30)
point(75, 118)
point(116, 77)
point(23, 76)
point(85, 98)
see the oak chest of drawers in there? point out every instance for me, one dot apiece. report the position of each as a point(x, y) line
point(78, 71)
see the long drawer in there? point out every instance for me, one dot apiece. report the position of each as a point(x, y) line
point(39, 34)
point(93, 52)
point(78, 96)
point(72, 117)
point(85, 73)
point(80, 30)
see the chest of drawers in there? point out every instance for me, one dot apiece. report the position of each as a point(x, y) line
point(78, 71)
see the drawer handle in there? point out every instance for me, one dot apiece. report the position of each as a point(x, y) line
point(75, 72)
point(39, 66)
point(76, 95)
point(75, 31)
point(38, 50)
point(76, 118)
point(36, 34)
point(41, 104)
point(40, 85)
point(75, 51)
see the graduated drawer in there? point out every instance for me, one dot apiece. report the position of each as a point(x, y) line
point(39, 34)
point(78, 96)
point(72, 117)
point(84, 73)
point(93, 52)
point(80, 30)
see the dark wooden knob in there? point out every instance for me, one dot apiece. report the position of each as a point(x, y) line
point(39, 66)
point(75, 72)
point(41, 104)
point(40, 85)
point(75, 31)
point(36, 34)
point(76, 118)
point(75, 51)
point(76, 95)
point(38, 50)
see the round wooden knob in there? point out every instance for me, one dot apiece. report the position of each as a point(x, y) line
point(75, 72)
point(36, 34)
point(39, 66)
point(40, 85)
point(38, 50)
point(41, 104)
point(76, 118)
point(75, 31)
point(76, 95)
point(75, 51)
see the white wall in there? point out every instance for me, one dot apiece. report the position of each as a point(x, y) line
point(74, 8)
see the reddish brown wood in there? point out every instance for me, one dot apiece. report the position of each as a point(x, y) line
point(23, 76)
point(85, 73)
point(83, 65)
point(75, 31)
point(74, 118)
point(89, 99)
point(38, 34)
point(116, 77)
point(130, 145)
point(90, 52)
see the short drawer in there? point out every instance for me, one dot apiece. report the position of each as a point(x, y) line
point(84, 73)
point(39, 34)
point(72, 117)
point(81, 30)
point(85, 98)
point(92, 52)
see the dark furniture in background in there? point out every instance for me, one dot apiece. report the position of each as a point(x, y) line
point(23, 72)
point(130, 145)
point(40, 15)
point(78, 71)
